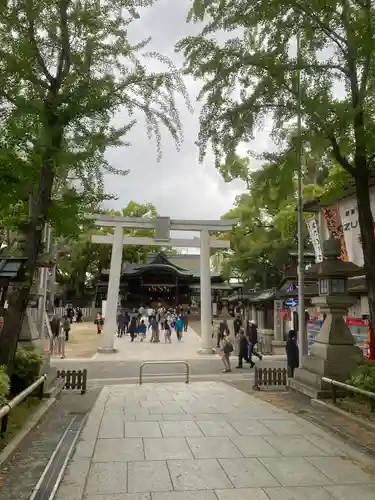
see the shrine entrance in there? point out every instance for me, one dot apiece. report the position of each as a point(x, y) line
point(182, 277)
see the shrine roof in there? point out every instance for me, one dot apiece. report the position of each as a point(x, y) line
point(163, 261)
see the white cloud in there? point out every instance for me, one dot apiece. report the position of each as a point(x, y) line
point(179, 186)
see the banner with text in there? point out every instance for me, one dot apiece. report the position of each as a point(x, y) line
point(312, 226)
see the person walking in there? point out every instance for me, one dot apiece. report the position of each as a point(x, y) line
point(292, 353)
point(243, 349)
point(154, 325)
point(222, 332)
point(66, 327)
point(186, 320)
point(133, 328)
point(166, 329)
point(226, 350)
point(236, 325)
point(99, 321)
point(179, 327)
point(142, 328)
point(252, 342)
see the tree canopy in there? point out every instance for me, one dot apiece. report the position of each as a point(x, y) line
point(281, 56)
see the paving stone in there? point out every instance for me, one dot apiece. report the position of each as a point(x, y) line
point(198, 475)
point(112, 426)
point(247, 473)
point(217, 428)
point(251, 428)
point(120, 496)
point(148, 476)
point(284, 427)
point(351, 492)
point(295, 446)
point(142, 429)
point(298, 493)
point(180, 429)
point(242, 494)
point(212, 417)
point(151, 404)
point(69, 492)
point(106, 478)
point(119, 450)
point(295, 472)
point(151, 417)
point(213, 447)
point(341, 471)
point(167, 449)
point(170, 407)
point(178, 417)
point(76, 472)
point(84, 449)
point(254, 446)
point(185, 495)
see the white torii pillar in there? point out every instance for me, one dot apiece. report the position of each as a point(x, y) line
point(163, 226)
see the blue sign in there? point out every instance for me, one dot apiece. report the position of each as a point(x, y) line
point(291, 303)
point(292, 288)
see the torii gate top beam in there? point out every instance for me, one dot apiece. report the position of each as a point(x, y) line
point(223, 225)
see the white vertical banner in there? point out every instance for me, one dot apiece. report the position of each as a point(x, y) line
point(312, 226)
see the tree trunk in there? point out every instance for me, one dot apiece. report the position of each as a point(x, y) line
point(18, 299)
point(366, 224)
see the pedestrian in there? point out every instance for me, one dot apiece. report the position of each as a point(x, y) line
point(70, 313)
point(292, 353)
point(179, 327)
point(66, 327)
point(252, 342)
point(99, 321)
point(154, 325)
point(242, 348)
point(79, 315)
point(226, 350)
point(126, 322)
point(133, 328)
point(236, 325)
point(142, 328)
point(167, 331)
point(222, 332)
point(150, 313)
point(186, 320)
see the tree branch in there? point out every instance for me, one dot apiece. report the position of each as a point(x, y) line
point(340, 157)
point(34, 44)
point(64, 62)
point(303, 7)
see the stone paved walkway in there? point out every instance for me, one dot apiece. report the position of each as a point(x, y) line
point(207, 441)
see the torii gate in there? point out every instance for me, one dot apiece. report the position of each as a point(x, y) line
point(162, 227)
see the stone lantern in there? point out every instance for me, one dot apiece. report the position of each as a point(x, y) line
point(334, 353)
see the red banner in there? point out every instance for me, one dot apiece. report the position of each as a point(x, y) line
point(333, 221)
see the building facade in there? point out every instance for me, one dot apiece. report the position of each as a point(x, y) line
point(168, 279)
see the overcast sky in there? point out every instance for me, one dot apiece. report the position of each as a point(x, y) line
point(179, 186)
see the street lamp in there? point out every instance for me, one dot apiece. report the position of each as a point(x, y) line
point(302, 340)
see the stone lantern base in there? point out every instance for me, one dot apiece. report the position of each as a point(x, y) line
point(334, 355)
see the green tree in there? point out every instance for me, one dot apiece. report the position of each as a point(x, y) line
point(86, 260)
point(66, 68)
point(254, 74)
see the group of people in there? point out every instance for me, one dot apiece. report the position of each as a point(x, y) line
point(245, 338)
point(159, 322)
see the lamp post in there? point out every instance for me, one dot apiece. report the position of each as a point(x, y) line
point(301, 258)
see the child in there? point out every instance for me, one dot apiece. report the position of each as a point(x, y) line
point(227, 349)
point(142, 330)
point(179, 327)
point(292, 353)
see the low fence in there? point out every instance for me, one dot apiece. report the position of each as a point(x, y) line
point(86, 312)
point(270, 377)
point(10, 405)
point(74, 379)
point(337, 386)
